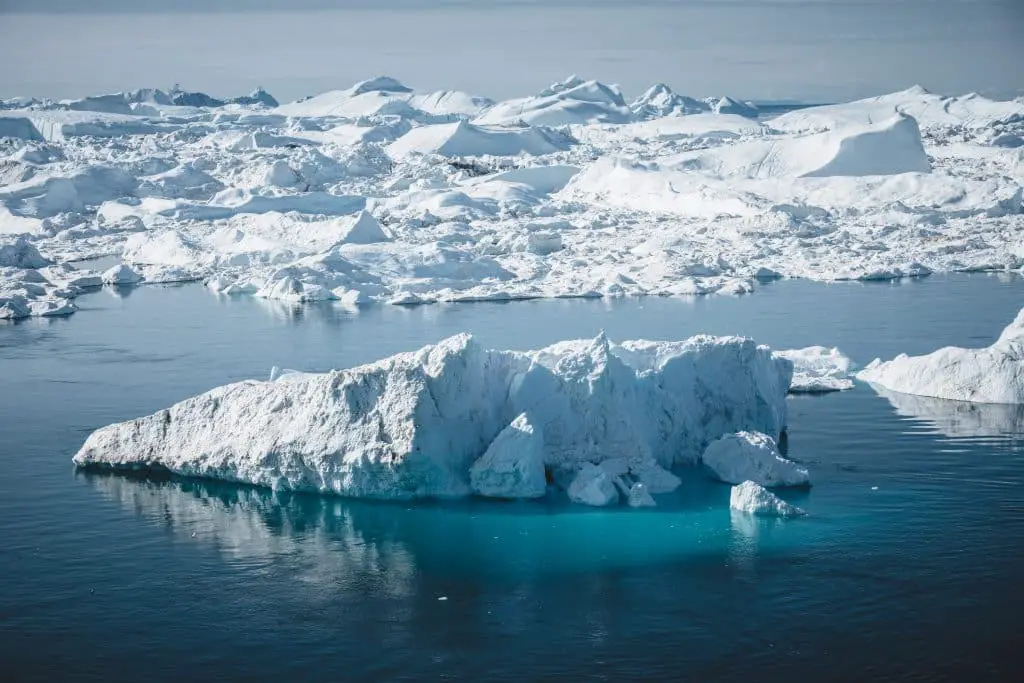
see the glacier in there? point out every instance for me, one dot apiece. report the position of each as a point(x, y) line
point(994, 374)
point(381, 193)
point(603, 422)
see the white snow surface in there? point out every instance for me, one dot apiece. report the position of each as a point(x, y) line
point(570, 192)
point(994, 374)
point(754, 499)
point(456, 418)
point(752, 456)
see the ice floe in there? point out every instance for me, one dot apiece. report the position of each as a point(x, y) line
point(602, 421)
point(569, 192)
point(994, 374)
point(754, 499)
point(752, 456)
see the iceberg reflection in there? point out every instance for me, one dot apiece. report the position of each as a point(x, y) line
point(958, 419)
point(331, 541)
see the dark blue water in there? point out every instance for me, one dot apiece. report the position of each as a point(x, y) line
point(909, 566)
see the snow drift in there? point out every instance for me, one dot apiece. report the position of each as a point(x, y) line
point(994, 374)
point(454, 418)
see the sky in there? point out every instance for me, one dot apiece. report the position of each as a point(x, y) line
point(804, 50)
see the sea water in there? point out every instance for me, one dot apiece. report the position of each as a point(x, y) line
point(907, 566)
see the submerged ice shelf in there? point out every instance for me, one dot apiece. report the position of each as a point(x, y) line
point(599, 421)
point(379, 193)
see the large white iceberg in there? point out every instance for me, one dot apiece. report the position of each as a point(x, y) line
point(455, 417)
point(994, 374)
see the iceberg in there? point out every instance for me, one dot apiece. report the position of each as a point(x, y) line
point(994, 374)
point(572, 101)
point(754, 499)
point(659, 101)
point(121, 275)
point(455, 418)
point(462, 139)
point(818, 370)
point(752, 456)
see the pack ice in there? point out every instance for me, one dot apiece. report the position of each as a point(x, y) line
point(994, 374)
point(604, 422)
point(381, 193)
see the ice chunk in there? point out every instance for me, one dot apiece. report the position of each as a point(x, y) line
point(114, 103)
point(414, 424)
point(593, 486)
point(754, 499)
point(727, 105)
point(817, 369)
point(571, 101)
point(21, 254)
point(364, 229)
point(994, 374)
point(513, 465)
point(659, 100)
point(121, 275)
point(735, 458)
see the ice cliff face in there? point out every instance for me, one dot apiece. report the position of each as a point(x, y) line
point(456, 418)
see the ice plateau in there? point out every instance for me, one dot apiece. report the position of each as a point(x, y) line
point(994, 374)
point(571, 191)
point(602, 421)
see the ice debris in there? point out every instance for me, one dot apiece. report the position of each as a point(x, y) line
point(598, 419)
point(754, 456)
point(753, 499)
point(994, 374)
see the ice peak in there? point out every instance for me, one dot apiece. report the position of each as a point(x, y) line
point(569, 83)
point(379, 84)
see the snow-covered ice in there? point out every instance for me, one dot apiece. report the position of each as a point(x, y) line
point(752, 456)
point(817, 370)
point(994, 374)
point(573, 191)
point(601, 420)
point(754, 499)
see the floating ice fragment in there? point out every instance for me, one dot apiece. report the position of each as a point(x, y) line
point(754, 499)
